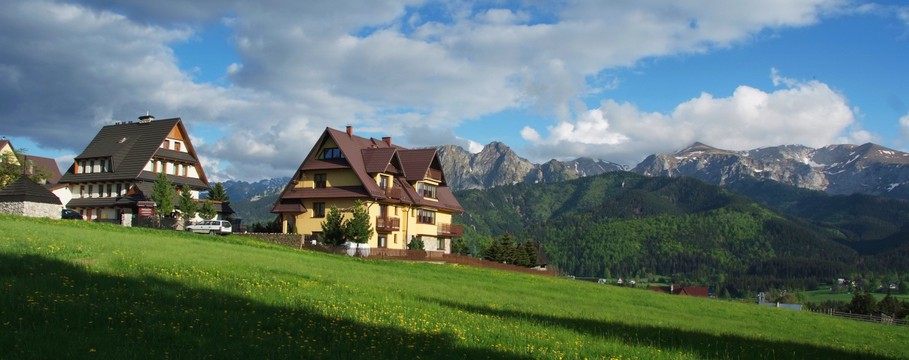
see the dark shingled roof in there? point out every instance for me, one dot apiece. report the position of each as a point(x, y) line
point(366, 157)
point(130, 146)
point(25, 189)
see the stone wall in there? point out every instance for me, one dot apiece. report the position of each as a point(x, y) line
point(31, 209)
point(292, 240)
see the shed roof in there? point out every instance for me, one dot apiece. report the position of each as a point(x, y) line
point(24, 189)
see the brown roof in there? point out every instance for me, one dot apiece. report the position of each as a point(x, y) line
point(130, 146)
point(47, 164)
point(366, 157)
point(693, 291)
point(24, 189)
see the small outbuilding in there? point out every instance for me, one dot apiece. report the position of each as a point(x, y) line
point(26, 198)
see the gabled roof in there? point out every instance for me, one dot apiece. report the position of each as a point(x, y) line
point(367, 157)
point(47, 164)
point(417, 162)
point(4, 143)
point(130, 146)
point(24, 189)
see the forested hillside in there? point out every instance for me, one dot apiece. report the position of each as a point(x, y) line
point(622, 224)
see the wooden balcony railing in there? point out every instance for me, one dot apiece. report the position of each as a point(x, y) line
point(387, 224)
point(451, 230)
point(393, 193)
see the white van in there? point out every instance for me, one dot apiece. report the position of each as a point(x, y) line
point(220, 227)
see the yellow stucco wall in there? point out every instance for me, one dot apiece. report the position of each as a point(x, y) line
point(333, 178)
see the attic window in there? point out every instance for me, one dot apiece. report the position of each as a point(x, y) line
point(122, 140)
point(331, 153)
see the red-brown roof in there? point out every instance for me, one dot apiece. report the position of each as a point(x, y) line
point(366, 157)
point(47, 164)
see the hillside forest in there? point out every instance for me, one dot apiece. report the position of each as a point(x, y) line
point(753, 236)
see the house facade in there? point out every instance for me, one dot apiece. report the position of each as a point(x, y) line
point(404, 191)
point(112, 179)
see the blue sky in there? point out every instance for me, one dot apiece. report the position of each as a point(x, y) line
point(618, 81)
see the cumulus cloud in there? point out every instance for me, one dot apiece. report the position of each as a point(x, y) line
point(385, 66)
point(801, 112)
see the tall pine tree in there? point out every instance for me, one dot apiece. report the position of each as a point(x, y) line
point(333, 227)
point(188, 206)
point(163, 193)
point(218, 193)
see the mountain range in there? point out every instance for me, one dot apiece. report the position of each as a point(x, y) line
point(835, 169)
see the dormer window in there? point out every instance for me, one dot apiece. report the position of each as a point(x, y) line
point(384, 181)
point(331, 153)
point(427, 190)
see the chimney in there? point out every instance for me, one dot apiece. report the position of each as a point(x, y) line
point(145, 119)
point(349, 130)
point(387, 140)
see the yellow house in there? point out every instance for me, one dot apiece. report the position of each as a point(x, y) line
point(404, 191)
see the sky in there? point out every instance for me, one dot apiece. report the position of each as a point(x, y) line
point(256, 83)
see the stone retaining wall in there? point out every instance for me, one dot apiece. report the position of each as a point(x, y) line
point(31, 209)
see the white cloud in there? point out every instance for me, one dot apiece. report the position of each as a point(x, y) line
point(382, 65)
point(807, 113)
point(904, 126)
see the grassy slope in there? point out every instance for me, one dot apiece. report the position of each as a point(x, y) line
point(74, 290)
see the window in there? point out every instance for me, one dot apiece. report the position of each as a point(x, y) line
point(320, 180)
point(91, 189)
point(383, 241)
point(81, 191)
point(110, 190)
point(383, 182)
point(177, 146)
point(119, 189)
point(166, 144)
point(176, 171)
point(82, 167)
point(441, 244)
point(91, 166)
point(331, 153)
point(318, 209)
point(427, 190)
point(426, 217)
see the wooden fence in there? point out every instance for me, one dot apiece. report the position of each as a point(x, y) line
point(401, 254)
point(881, 319)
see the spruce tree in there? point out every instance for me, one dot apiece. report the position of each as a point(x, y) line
point(163, 193)
point(459, 246)
point(188, 206)
point(333, 227)
point(208, 211)
point(218, 193)
point(358, 229)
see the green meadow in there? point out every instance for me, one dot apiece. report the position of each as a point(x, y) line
point(83, 290)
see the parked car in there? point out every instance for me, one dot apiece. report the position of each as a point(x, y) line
point(220, 227)
point(70, 214)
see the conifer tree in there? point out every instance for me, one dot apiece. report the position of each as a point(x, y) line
point(188, 206)
point(358, 229)
point(163, 193)
point(218, 193)
point(208, 211)
point(333, 227)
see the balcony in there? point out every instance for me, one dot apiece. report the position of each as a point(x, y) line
point(450, 230)
point(393, 193)
point(387, 224)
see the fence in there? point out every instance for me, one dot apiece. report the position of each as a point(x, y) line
point(297, 241)
point(882, 319)
point(155, 222)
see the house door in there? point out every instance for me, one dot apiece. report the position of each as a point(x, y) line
point(383, 241)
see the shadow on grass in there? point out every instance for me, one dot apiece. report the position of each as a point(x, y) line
point(57, 310)
point(705, 345)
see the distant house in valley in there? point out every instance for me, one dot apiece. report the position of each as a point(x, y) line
point(682, 290)
point(112, 179)
point(404, 190)
point(26, 198)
